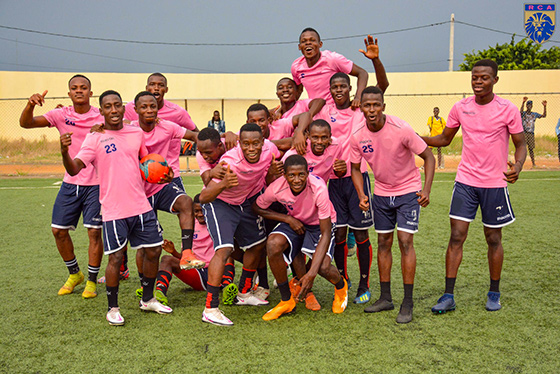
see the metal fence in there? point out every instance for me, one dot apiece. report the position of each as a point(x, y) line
point(18, 145)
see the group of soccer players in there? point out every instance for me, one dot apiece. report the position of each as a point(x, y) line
point(291, 184)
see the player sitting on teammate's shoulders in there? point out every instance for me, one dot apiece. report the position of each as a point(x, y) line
point(389, 144)
point(308, 227)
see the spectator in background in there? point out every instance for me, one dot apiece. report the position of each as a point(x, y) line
point(528, 117)
point(558, 135)
point(217, 123)
point(436, 124)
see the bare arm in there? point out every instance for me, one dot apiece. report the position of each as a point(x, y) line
point(429, 169)
point(191, 135)
point(211, 192)
point(372, 52)
point(72, 166)
point(362, 83)
point(544, 109)
point(523, 104)
point(295, 224)
point(443, 139)
point(299, 139)
point(315, 106)
point(27, 121)
point(358, 182)
point(520, 155)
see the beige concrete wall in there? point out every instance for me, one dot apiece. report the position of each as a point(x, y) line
point(205, 93)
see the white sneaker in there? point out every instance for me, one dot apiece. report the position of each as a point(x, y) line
point(216, 317)
point(155, 306)
point(114, 317)
point(261, 293)
point(249, 299)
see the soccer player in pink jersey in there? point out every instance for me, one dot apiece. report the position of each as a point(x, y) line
point(487, 122)
point(78, 194)
point(127, 214)
point(389, 144)
point(229, 217)
point(307, 228)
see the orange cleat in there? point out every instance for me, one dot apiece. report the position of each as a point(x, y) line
point(284, 307)
point(189, 261)
point(340, 299)
point(294, 288)
point(311, 302)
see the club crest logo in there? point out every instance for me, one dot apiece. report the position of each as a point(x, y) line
point(540, 21)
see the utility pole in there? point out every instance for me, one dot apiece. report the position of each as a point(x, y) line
point(451, 41)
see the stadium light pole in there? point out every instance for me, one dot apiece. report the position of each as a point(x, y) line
point(451, 41)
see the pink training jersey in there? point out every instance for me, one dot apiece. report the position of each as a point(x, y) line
point(203, 246)
point(343, 123)
point(204, 166)
point(390, 154)
point(251, 177)
point(66, 120)
point(158, 141)
point(115, 154)
point(171, 112)
point(281, 129)
point(321, 166)
point(299, 107)
point(486, 130)
point(308, 207)
point(316, 79)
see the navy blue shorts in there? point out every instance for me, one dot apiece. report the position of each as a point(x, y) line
point(227, 223)
point(142, 230)
point(305, 243)
point(401, 211)
point(71, 201)
point(345, 200)
point(494, 205)
point(165, 198)
point(179, 182)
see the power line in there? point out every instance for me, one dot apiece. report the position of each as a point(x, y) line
point(499, 31)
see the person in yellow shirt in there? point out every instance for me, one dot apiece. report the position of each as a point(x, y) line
point(436, 124)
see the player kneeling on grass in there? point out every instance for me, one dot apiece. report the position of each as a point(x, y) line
point(389, 144)
point(127, 214)
point(203, 248)
point(308, 227)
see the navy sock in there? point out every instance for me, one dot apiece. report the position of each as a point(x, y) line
point(408, 294)
point(213, 296)
point(284, 291)
point(494, 285)
point(93, 271)
point(263, 277)
point(72, 265)
point(186, 239)
point(163, 279)
point(113, 296)
point(450, 285)
point(364, 260)
point(148, 286)
point(386, 291)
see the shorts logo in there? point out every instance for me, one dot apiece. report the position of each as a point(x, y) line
point(499, 207)
point(540, 21)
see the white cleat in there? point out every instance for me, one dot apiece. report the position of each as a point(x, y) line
point(249, 299)
point(114, 317)
point(261, 293)
point(216, 317)
point(155, 306)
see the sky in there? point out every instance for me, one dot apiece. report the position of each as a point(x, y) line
point(410, 34)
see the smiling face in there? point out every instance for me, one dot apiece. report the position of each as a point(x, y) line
point(251, 143)
point(79, 91)
point(198, 213)
point(310, 45)
point(157, 86)
point(340, 92)
point(147, 109)
point(483, 81)
point(296, 176)
point(113, 111)
point(286, 91)
point(260, 118)
point(319, 139)
point(372, 106)
point(210, 151)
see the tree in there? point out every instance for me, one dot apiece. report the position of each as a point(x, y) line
point(525, 55)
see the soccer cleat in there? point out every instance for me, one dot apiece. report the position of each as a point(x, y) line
point(311, 302)
point(123, 275)
point(261, 293)
point(340, 299)
point(216, 317)
point(379, 306)
point(155, 306)
point(189, 261)
point(446, 303)
point(139, 293)
point(90, 291)
point(160, 296)
point(72, 281)
point(405, 314)
point(229, 293)
point(294, 288)
point(283, 308)
point(362, 297)
point(114, 317)
point(249, 299)
point(493, 304)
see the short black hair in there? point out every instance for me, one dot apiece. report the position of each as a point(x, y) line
point(107, 93)
point(372, 90)
point(257, 108)
point(295, 160)
point(250, 127)
point(143, 93)
point(288, 79)
point(158, 75)
point(320, 123)
point(208, 133)
point(487, 62)
point(80, 76)
point(312, 30)
point(196, 199)
point(339, 75)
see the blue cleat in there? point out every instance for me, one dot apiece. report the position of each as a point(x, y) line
point(362, 298)
point(446, 303)
point(493, 303)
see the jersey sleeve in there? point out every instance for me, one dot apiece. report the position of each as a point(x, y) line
point(514, 124)
point(178, 132)
point(294, 72)
point(87, 151)
point(143, 149)
point(413, 141)
point(267, 198)
point(453, 118)
point(54, 117)
point(340, 63)
point(186, 120)
point(274, 149)
point(203, 166)
point(129, 112)
point(288, 154)
point(323, 203)
point(355, 153)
